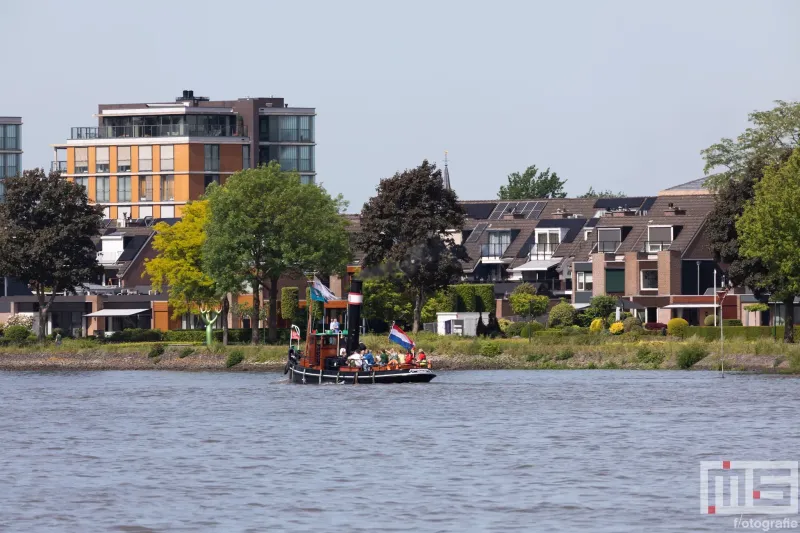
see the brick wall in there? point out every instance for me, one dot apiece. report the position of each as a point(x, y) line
point(669, 272)
point(598, 274)
point(631, 273)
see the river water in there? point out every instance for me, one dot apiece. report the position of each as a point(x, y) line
point(601, 451)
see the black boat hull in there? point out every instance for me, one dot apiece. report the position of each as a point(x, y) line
point(300, 374)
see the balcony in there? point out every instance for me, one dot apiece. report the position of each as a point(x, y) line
point(493, 250)
point(607, 247)
point(58, 166)
point(540, 250)
point(652, 247)
point(165, 130)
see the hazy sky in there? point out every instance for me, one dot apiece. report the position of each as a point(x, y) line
point(619, 95)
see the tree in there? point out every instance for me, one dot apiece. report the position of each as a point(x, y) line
point(289, 302)
point(561, 315)
point(407, 226)
point(387, 298)
point(525, 302)
point(601, 306)
point(265, 223)
point(179, 266)
point(773, 133)
point(46, 236)
point(769, 230)
point(532, 184)
point(608, 193)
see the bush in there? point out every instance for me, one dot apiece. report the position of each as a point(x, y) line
point(583, 319)
point(504, 323)
point(185, 335)
point(514, 329)
point(602, 306)
point(530, 329)
point(597, 325)
point(490, 349)
point(234, 358)
point(135, 335)
point(186, 352)
point(289, 302)
point(731, 322)
point(677, 327)
point(645, 356)
point(630, 322)
point(622, 316)
point(561, 315)
point(690, 354)
point(617, 328)
point(156, 351)
point(564, 354)
point(708, 320)
point(655, 326)
point(16, 334)
point(25, 321)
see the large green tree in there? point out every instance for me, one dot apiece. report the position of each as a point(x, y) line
point(387, 298)
point(772, 134)
point(179, 267)
point(525, 301)
point(769, 230)
point(532, 184)
point(407, 227)
point(46, 230)
point(265, 223)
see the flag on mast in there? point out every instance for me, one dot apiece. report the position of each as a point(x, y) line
point(398, 336)
point(321, 293)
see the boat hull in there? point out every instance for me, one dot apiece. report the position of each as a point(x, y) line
point(303, 375)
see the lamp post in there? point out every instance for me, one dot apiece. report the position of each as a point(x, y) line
point(698, 276)
point(530, 319)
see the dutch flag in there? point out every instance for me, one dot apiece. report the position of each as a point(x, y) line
point(398, 336)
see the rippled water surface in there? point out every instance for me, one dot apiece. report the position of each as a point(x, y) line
point(610, 451)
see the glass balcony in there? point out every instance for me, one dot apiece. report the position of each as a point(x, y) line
point(58, 166)
point(608, 247)
point(541, 250)
point(164, 130)
point(493, 249)
point(656, 246)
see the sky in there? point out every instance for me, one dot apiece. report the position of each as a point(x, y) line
point(617, 95)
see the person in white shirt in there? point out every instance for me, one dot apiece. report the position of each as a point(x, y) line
point(335, 325)
point(355, 359)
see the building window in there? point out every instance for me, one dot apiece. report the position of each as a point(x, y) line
point(649, 280)
point(2, 190)
point(81, 160)
point(167, 211)
point(306, 179)
point(11, 166)
point(608, 239)
point(145, 158)
point(146, 211)
point(101, 160)
point(167, 157)
point(584, 281)
point(546, 244)
point(498, 242)
point(124, 189)
point(209, 179)
point(10, 139)
point(288, 129)
point(246, 156)
point(288, 157)
point(167, 188)
point(306, 129)
point(83, 182)
point(211, 157)
point(102, 189)
point(145, 188)
point(123, 159)
point(659, 238)
point(306, 161)
point(615, 280)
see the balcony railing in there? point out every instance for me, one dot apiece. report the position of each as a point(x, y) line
point(164, 130)
point(540, 250)
point(607, 247)
point(656, 246)
point(493, 250)
point(58, 166)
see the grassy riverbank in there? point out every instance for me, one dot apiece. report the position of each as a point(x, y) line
point(452, 353)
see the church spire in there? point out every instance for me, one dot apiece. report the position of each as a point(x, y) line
point(446, 178)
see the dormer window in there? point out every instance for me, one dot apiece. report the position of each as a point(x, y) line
point(659, 238)
point(547, 240)
point(608, 239)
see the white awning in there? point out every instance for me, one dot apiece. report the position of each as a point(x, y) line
point(117, 312)
point(580, 306)
point(538, 264)
point(688, 306)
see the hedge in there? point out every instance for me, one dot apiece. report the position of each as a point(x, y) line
point(473, 297)
point(289, 302)
point(737, 332)
point(235, 336)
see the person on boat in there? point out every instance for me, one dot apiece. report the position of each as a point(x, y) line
point(422, 359)
point(343, 352)
point(335, 325)
point(355, 359)
point(409, 358)
point(369, 360)
point(384, 357)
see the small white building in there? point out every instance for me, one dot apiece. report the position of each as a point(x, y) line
point(464, 324)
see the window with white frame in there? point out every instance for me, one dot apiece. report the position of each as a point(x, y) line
point(608, 239)
point(546, 243)
point(123, 158)
point(81, 160)
point(167, 157)
point(145, 158)
point(649, 280)
point(167, 188)
point(583, 281)
point(659, 238)
point(101, 160)
point(102, 189)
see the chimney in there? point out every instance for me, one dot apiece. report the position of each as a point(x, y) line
point(673, 211)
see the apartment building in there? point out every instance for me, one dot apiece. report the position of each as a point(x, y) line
point(146, 161)
point(10, 149)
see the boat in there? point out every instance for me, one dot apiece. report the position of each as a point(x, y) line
point(320, 360)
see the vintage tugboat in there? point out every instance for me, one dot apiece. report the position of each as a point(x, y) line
point(322, 361)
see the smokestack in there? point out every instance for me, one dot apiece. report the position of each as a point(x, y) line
point(354, 300)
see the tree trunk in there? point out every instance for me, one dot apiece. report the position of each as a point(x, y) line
point(42, 313)
point(273, 309)
point(256, 312)
point(418, 301)
point(225, 309)
point(788, 320)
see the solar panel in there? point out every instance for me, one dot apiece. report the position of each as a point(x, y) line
point(479, 211)
point(477, 232)
point(536, 210)
point(498, 211)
